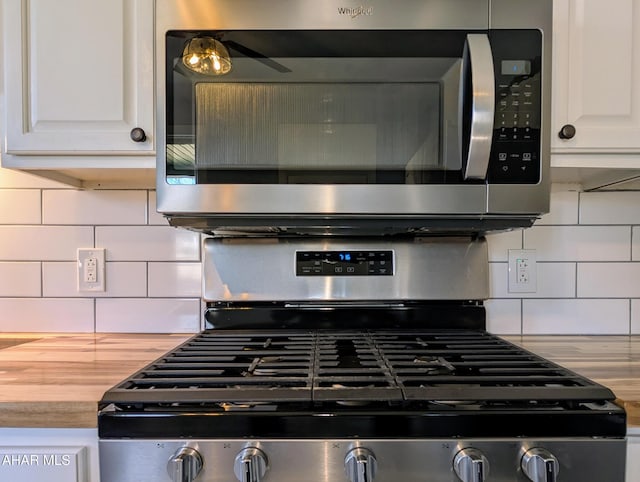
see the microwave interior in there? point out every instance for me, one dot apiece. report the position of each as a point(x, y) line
point(346, 107)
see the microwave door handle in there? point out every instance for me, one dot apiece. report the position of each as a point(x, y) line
point(479, 59)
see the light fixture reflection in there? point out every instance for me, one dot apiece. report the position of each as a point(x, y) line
point(206, 55)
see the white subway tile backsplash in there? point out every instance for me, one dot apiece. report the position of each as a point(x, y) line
point(20, 279)
point(615, 207)
point(155, 218)
point(122, 280)
point(94, 207)
point(148, 315)
point(20, 206)
point(575, 316)
point(635, 317)
point(554, 280)
point(586, 280)
point(46, 314)
point(175, 279)
point(504, 316)
point(579, 243)
point(148, 243)
point(500, 244)
point(563, 209)
point(43, 243)
point(608, 280)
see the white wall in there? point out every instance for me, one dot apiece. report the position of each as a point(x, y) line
point(588, 251)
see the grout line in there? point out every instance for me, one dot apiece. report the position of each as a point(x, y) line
point(148, 209)
point(41, 207)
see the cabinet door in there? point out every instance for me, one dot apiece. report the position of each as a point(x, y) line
point(78, 76)
point(49, 454)
point(595, 79)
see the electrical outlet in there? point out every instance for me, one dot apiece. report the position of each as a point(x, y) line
point(91, 269)
point(522, 271)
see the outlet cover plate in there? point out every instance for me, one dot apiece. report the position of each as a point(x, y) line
point(91, 270)
point(523, 276)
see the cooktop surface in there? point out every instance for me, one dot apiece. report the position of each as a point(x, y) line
point(376, 383)
point(352, 367)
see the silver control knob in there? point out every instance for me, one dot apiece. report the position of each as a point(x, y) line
point(250, 465)
point(360, 465)
point(185, 465)
point(471, 465)
point(540, 465)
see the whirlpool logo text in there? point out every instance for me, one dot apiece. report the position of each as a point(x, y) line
point(355, 12)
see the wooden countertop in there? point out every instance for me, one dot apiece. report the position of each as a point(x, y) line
point(613, 361)
point(56, 380)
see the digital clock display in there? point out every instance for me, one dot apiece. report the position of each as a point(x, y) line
point(344, 263)
point(515, 67)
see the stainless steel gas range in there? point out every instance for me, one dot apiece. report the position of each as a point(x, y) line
point(339, 359)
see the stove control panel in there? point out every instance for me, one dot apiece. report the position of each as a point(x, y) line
point(576, 459)
point(344, 263)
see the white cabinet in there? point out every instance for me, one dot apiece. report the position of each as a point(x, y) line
point(596, 67)
point(51, 454)
point(78, 77)
point(595, 78)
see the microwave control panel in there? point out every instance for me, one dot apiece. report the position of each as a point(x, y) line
point(344, 263)
point(515, 151)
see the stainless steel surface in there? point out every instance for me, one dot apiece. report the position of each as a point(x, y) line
point(540, 465)
point(329, 14)
point(407, 460)
point(345, 199)
point(250, 465)
point(478, 56)
point(437, 202)
point(360, 465)
point(184, 465)
point(470, 465)
point(425, 269)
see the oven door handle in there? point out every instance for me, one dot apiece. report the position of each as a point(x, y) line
point(478, 83)
point(343, 304)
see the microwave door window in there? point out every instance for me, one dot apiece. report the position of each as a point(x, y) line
point(374, 129)
point(336, 119)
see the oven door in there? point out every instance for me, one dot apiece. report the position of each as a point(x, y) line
point(346, 123)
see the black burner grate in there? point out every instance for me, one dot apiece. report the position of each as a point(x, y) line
point(351, 367)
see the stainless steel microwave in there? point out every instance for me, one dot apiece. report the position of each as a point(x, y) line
point(335, 116)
